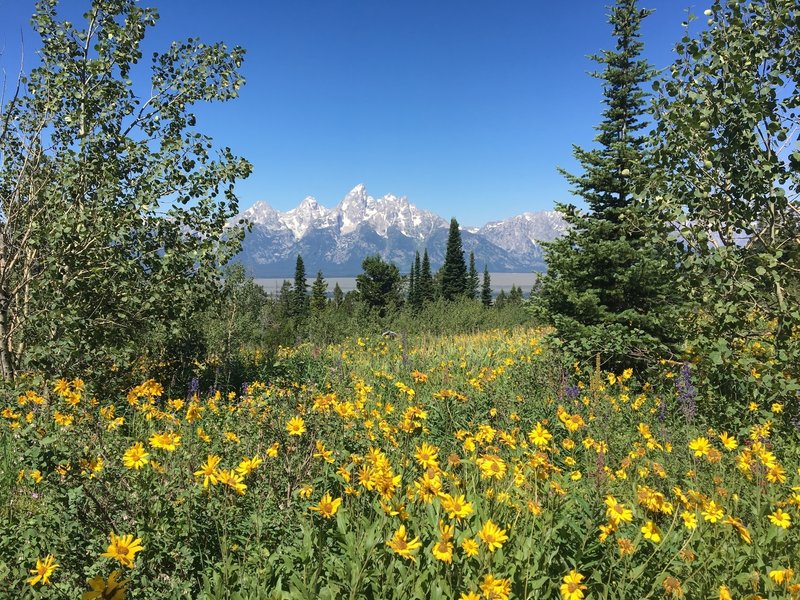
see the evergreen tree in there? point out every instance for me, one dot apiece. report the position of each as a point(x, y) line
point(417, 299)
point(472, 282)
point(608, 288)
point(319, 298)
point(500, 301)
point(486, 289)
point(412, 284)
point(454, 269)
point(338, 295)
point(380, 284)
point(300, 303)
point(515, 295)
point(425, 283)
point(286, 299)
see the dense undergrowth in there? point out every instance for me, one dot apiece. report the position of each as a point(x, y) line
point(458, 466)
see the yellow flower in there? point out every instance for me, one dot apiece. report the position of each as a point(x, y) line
point(781, 519)
point(725, 593)
point(208, 470)
point(539, 436)
point(123, 549)
point(712, 512)
point(728, 441)
point(492, 536)
point(470, 547)
point(136, 456)
point(426, 455)
point(469, 596)
point(272, 451)
point(617, 513)
point(572, 588)
point(689, 520)
point(232, 479)
point(700, 446)
point(781, 576)
point(401, 545)
point(248, 465)
point(494, 588)
point(106, 590)
point(651, 532)
point(491, 466)
point(323, 453)
point(168, 441)
point(327, 506)
point(456, 508)
point(296, 426)
point(305, 491)
point(43, 570)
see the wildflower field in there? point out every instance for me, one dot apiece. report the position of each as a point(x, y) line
point(461, 467)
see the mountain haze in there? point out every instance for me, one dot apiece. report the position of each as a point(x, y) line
point(336, 241)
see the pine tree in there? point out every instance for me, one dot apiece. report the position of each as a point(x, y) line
point(425, 284)
point(472, 281)
point(338, 295)
point(500, 301)
point(300, 303)
point(515, 295)
point(319, 298)
point(412, 284)
point(454, 269)
point(486, 289)
point(608, 289)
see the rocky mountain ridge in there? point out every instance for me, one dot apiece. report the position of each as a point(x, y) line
point(336, 240)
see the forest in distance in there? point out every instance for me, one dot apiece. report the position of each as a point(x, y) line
point(623, 426)
point(499, 281)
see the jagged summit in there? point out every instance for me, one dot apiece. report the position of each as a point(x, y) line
point(336, 240)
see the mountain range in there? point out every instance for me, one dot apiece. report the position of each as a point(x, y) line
point(336, 240)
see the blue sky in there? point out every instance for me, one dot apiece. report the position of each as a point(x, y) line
point(467, 107)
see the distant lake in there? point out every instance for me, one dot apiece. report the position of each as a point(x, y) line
point(500, 281)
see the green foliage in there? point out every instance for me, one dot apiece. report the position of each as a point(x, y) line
point(114, 205)
point(453, 273)
point(300, 301)
point(486, 288)
point(472, 278)
point(380, 284)
point(728, 165)
point(426, 286)
point(319, 298)
point(609, 286)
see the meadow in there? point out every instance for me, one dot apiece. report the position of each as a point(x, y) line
point(459, 466)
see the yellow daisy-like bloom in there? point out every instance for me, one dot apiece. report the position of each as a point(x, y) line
point(426, 455)
point(616, 512)
point(491, 466)
point(651, 532)
point(106, 590)
point(572, 588)
point(725, 593)
point(232, 479)
point(470, 547)
point(43, 570)
point(492, 536)
point(712, 512)
point(136, 456)
point(781, 519)
point(327, 506)
point(168, 441)
point(456, 508)
point(494, 588)
point(781, 576)
point(469, 596)
point(296, 426)
point(208, 470)
point(700, 446)
point(689, 520)
point(401, 545)
point(443, 548)
point(539, 436)
point(728, 441)
point(123, 549)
